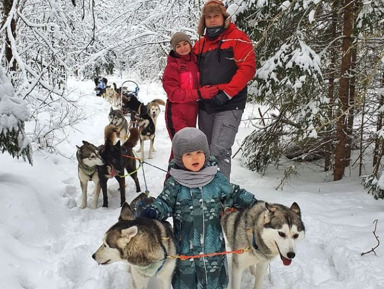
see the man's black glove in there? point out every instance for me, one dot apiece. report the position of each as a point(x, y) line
point(149, 213)
point(220, 99)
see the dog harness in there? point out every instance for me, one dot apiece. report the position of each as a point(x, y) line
point(254, 245)
point(165, 258)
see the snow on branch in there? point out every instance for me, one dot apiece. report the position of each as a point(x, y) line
point(13, 114)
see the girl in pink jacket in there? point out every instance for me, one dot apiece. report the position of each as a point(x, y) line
point(181, 83)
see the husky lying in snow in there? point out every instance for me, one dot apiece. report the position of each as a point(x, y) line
point(144, 243)
point(265, 231)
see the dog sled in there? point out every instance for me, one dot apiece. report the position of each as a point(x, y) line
point(129, 88)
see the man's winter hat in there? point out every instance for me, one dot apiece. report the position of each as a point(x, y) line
point(178, 37)
point(186, 140)
point(213, 6)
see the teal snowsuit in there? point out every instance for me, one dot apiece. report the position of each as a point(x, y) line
point(196, 216)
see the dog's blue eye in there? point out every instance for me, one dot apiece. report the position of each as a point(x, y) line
point(281, 234)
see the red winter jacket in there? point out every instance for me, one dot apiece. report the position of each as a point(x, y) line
point(229, 61)
point(180, 82)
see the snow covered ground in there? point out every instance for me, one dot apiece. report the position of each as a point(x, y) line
point(46, 240)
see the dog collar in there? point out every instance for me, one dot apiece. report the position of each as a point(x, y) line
point(89, 171)
point(254, 245)
point(165, 258)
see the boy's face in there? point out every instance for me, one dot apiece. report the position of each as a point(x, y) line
point(194, 161)
point(183, 48)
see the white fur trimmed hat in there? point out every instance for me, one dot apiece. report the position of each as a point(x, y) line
point(212, 6)
point(178, 37)
point(186, 140)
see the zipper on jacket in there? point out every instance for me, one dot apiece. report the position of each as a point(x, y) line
point(204, 259)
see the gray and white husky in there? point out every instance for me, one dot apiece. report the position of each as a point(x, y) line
point(264, 231)
point(145, 244)
point(119, 123)
point(89, 159)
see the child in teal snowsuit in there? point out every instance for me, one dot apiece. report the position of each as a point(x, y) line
point(195, 195)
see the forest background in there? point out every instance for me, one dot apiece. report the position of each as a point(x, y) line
point(319, 79)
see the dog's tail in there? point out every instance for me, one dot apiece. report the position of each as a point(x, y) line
point(133, 139)
point(158, 101)
point(109, 134)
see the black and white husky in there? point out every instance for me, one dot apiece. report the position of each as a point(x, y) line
point(264, 231)
point(89, 159)
point(145, 244)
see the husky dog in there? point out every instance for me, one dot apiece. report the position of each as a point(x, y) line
point(140, 202)
point(145, 244)
point(120, 125)
point(120, 90)
point(147, 130)
point(264, 231)
point(88, 158)
point(117, 158)
point(112, 96)
point(131, 103)
point(146, 116)
point(153, 110)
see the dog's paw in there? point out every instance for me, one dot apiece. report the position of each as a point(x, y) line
point(83, 206)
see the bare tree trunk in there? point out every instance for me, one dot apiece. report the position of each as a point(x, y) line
point(351, 114)
point(7, 4)
point(331, 90)
point(342, 126)
point(379, 126)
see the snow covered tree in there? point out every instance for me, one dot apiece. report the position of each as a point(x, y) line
point(13, 114)
point(288, 81)
point(305, 81)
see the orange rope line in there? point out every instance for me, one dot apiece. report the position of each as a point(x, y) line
point(130, 157)
point(185, 257)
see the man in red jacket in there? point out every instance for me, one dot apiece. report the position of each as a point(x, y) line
point(225, 58)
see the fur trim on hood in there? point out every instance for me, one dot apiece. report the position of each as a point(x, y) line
point(213, 6)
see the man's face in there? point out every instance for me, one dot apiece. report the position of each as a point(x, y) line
point(214, 19)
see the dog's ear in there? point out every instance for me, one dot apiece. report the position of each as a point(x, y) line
point(85, 142)
point(127, 235)
point(268, 213)
point(270, 208)
point(111, 109)
point(126, 213)
point(295, 207)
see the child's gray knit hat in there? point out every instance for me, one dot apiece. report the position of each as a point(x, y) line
point(187, 140)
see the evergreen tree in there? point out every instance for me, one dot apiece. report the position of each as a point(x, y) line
point(304, 84)
point(13, 114)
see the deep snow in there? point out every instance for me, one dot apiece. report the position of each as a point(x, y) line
point(46, 241)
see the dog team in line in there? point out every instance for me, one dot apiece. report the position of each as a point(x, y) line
point(206, 85)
